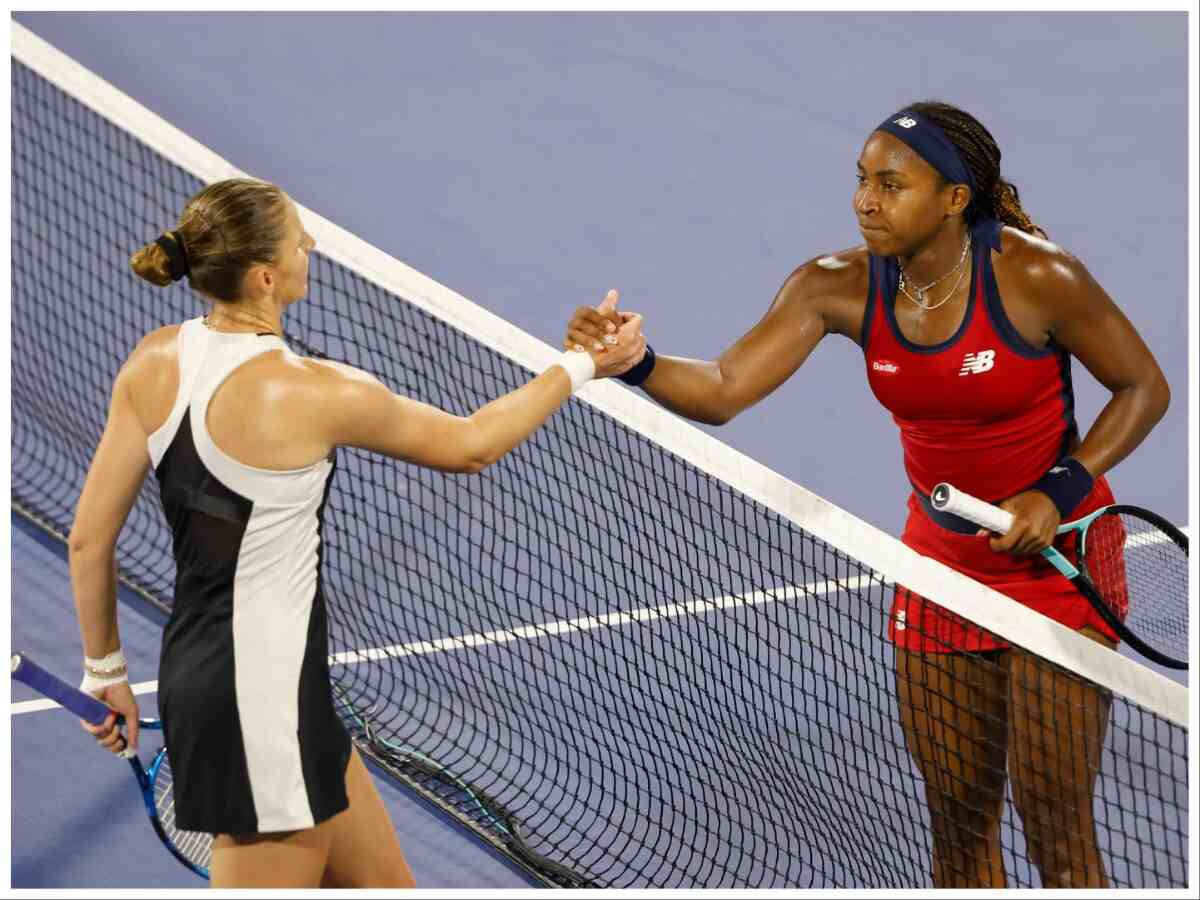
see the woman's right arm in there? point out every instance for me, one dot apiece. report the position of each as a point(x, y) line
point(715, 391)
point(354, 409)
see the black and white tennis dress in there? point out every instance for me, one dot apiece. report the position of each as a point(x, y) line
point(243, 690)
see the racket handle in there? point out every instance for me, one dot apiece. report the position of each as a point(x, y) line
point(49, 685)
point(947, 498)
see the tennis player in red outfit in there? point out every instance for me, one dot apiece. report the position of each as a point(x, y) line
point(967, 317)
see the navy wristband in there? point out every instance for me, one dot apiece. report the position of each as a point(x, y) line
point(641, 371)
point(1067, 483)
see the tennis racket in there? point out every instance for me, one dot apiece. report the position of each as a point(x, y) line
point(1132, 566)
point(192, 848)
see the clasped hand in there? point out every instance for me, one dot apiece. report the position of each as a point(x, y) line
point(613, 338)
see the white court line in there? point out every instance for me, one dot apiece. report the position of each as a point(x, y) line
point(28, 706)
point(588, 623)
point(877, 550)
point(625, 617)
point(546, 629)
point(568, 626)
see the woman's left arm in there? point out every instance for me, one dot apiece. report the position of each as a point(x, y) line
point(1083, 320)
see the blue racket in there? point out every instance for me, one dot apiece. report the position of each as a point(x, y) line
point(192, 848)
point(1131, 565)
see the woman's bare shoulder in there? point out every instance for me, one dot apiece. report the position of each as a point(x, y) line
point(343, 370)
point(150, 376)
point(153, 355)
point(835, 284)
point(838, 275)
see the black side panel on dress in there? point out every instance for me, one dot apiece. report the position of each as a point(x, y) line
point(196, 685)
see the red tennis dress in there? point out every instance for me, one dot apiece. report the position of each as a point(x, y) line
point(989, 413)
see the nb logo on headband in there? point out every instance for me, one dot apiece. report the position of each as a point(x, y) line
point(906, 122)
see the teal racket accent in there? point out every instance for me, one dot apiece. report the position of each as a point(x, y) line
point(1131, 565)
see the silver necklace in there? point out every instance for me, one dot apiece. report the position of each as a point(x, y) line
point(209, 325)
point(920, 292)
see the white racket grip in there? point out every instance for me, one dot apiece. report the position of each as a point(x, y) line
point(948, 498)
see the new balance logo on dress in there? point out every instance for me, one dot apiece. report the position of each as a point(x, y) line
point(974, 363)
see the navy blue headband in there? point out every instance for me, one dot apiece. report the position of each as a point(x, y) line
point(931, 144)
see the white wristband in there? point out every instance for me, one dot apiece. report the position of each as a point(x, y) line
point(579, 366)
point(90, 685)
point(104, 672)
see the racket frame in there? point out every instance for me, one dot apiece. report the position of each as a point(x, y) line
point(96, 712)
point(949, 498)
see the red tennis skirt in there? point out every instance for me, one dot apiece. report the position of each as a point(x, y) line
point(919, 625)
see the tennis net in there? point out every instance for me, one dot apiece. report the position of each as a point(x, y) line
point(690, 684)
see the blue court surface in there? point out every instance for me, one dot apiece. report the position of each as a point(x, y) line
point(65, 792)
point(530, 162)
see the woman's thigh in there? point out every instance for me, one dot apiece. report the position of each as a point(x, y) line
point(293, 859)
point(1059, 722)
point(954, 710)
point(364, 850)
point(356, 848)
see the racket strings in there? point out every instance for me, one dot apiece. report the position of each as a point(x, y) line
point(1142, 574)
point(196, 846)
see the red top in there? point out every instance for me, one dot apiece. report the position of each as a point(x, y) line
point(990, 414)
point(983, 410)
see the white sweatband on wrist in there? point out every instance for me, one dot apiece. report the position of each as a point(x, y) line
point(579, 366)
point(104, 672)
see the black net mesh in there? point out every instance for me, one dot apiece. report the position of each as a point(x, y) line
point(614, 667)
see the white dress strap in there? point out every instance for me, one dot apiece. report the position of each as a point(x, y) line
point(206, 359)
point(224, 354)
point(189, 348)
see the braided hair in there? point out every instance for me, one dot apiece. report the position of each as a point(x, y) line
point(994, 197)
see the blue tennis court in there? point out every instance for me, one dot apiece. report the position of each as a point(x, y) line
point(43, 625)
point(664, 154)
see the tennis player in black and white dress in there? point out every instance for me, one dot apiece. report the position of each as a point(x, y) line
point(242, 436)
